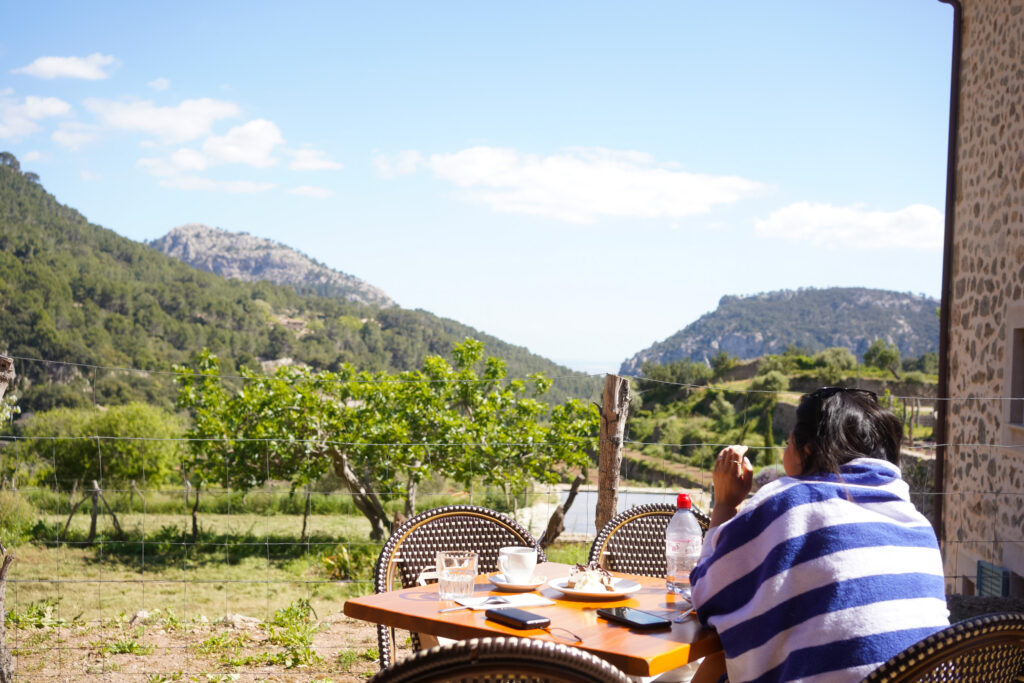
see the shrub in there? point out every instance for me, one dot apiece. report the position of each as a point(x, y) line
point(16, 517)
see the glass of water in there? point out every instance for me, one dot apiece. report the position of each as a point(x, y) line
point(456, 573)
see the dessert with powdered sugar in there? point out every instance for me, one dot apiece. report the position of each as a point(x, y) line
point(590, 578)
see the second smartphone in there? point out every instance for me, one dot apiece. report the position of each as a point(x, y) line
point(634, 617)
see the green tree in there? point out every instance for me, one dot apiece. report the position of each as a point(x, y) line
point(722, 413)
point(133, 442)
point(835, 364)
point(8, 408)
point(767, 387)
point(884, 356)
point(671, 382)
point(721, 363)
point(383, 434)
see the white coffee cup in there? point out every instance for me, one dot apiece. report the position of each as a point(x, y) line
point(517, 564)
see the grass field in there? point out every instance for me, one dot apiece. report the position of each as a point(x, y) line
point(153, 606)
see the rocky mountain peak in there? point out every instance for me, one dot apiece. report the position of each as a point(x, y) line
point(246, 257)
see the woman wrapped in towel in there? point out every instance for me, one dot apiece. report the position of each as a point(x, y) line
point(827, 572)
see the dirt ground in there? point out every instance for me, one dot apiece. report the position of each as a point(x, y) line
point(150, 650)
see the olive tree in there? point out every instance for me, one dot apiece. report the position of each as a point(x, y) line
point(382, 434)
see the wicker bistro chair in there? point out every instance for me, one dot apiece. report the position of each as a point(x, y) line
point(986, 649)
point(409, 557)
point(633, 541)
point(494, 660)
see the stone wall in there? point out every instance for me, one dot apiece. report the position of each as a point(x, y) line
point(983, 509)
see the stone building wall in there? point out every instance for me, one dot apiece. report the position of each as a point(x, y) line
point(983, 511)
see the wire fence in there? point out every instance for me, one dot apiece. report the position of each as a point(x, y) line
point(156, 561)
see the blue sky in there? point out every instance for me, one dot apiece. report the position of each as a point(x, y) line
point(582, 179)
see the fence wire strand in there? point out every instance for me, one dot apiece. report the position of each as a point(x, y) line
point(146, 558)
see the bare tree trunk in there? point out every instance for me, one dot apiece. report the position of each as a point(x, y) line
point(305, 515)
point(6, 661)
point(95, 495)
point(412, 488)
point(614, 411)
point(365, 500)
point(556, 525)
point(195, 515)
point(113, 517)
point(74, 508)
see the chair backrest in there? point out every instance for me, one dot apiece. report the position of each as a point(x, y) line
point(522, 660)
point(633, 541)
point(411, 551)
point(985, 649)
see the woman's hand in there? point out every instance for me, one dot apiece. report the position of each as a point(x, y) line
point(733, 477)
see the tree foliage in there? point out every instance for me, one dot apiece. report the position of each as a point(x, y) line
point(383, 433)
point(134, 442)
point(835, 364)
point(884, 356)
point(671, 382)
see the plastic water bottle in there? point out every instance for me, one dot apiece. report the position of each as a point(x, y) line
point(683, 540)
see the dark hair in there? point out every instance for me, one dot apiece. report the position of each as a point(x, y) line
point(834, 425)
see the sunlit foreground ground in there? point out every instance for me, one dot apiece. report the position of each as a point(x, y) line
point(249, 602)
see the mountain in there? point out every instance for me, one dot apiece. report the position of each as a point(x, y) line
point(93, 317)
point(814, 319)
point(242, 256)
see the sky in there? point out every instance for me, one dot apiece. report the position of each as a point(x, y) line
point(580, 178)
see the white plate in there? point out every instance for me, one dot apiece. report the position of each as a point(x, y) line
point(623, 587)
point(499, 582)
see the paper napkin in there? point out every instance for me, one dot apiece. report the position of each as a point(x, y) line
point(516, 600)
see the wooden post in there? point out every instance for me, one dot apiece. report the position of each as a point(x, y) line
point(95, 495)
point(6, 661)
point(6, 373)
point(614, 411)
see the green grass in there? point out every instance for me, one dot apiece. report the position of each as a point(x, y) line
point(126, 646)
point(244, 564)
point(568, 553)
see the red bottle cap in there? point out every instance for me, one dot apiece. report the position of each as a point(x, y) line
point(683, 501)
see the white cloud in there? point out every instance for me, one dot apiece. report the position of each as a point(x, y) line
point(310, 191)
point(915, 227)
point(33, 155)
point(251, 143)
point(308, 159)
point(403, 163)
point(578, 185)
point(158, 167)
point(159, 84)
point(18, 119)
point(73, 134)
point(89, 176)
point(189, 160)
point(91, 68)
point(193, 182)
point(187, 121)
point(172, 173)
point(41, 107)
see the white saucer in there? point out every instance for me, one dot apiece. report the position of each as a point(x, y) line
point(499, 582)
point(621, 588)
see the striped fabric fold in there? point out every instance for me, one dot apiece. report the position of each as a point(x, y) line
point(821, 577)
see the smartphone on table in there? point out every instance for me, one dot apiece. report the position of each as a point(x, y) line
point(635, 618)
point(517, 618)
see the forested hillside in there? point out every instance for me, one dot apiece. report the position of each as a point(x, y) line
point(811, 319)
point(75, 292)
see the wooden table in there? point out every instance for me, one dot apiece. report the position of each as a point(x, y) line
point(639, 653)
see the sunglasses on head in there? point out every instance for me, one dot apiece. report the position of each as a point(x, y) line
point(826, 392)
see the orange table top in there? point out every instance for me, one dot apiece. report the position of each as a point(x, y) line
point(639, 653)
